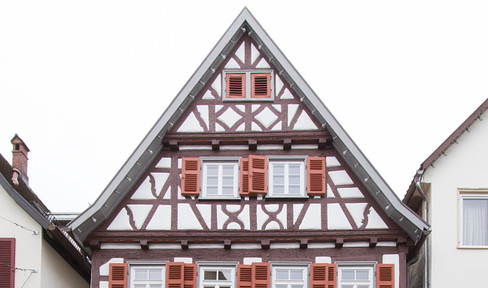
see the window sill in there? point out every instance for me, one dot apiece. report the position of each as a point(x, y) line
point(219, 198)
point(286, 197)
point(472, 247)
point(248, 99)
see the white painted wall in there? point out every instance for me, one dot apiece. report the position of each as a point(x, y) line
point(464, 166)
point(32, 252)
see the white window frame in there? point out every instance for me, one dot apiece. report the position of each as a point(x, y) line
point(147, 283)
point(468, 194)
point(370, 267)
point(248, 92)
point(216, 267)
point(289, 266)
point(219, 162)
point(272, 161)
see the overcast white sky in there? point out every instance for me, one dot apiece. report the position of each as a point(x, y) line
point(82, 82)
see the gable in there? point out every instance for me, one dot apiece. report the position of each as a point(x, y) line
point(158, 137)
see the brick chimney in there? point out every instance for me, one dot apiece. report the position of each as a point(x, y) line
point(19, 156)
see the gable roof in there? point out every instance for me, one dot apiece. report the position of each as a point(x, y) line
point(444, 146)
point(150, 146)
point(58, 238)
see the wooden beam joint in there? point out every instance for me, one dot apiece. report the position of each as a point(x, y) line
point(304, 243)
point(372, 242)
point(339, 242)
point(173, 145)
point(253, 145)
point(227, 244)
point(215, 145)
point(184, 244)
point(265, 244)
point(287, 144)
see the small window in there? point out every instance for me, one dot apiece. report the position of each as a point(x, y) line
point(248, 85)
point(220, 179)
point(147, 276)
point(217, 277)
point(355, 277)
point(289, 277)
point(474, 219)
point(287, 177)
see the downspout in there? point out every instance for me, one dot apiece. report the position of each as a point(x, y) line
point(426, 219)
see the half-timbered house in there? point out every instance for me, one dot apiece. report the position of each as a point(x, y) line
point(247, 180)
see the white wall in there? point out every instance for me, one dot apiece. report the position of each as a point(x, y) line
point(27, 246)
point(32, 252)
point(464, 166)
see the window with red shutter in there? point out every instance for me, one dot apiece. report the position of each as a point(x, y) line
point(190, 176)
point(220, 178)
point(316, 176)
point(258, 174)
point(117, 275)
point(385, 275)
point(288, 276)
point(261, 275)
point(355, 276)
point(221, 276)
point(261, 85)
point(147, 276)
point(181, 275)
point(323, 275)
point(244, 276)
point(244, 177)
point(235, 85)
point(286, 176)
point(7, 258)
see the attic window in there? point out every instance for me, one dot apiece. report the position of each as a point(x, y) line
point(248, 85)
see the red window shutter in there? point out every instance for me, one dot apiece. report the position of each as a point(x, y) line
point(190, 276)
point(385, 275)
point(261, 85)
point(7, 256)
point(316, 176)
point(244, 177)
point(244, 276)
point(258, 174)
point(117, 277)
point(190, 176)
point(175, 274)
point(261, 275)
point(235, 85)
point(323, 275)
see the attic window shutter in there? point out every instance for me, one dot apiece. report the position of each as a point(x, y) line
point(235, 85)
point(190, 176)
point(385, 275)
point(244, 177)
point(117, 275)
point(244, 276)
point(323, 275)
point(7, 256)
point(261, 85)
point(261, 275)
point(258, 174)
point(316, 176)
point(181, 275)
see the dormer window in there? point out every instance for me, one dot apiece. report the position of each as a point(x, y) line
point(248, 85)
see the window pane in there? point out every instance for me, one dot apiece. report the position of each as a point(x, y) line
point(347, 286)
point(278, 179)
point(210, 275)
point(296, 286)
point(140, 286)
point(227, 190)
point(279, 190)
point(212, 170)
point(296, 274)
point(212, 190)
point(294, 169)
point(281, 274)
point(362, 275)
point(228, 169)
point(224, 275)
point(212, 181)
point(294, 190)
point(475, 222)
point(228, 181)
point(294, 180)
point(280, 286)
point(279, 169)
point(347, 275)
point(155, 274)
point(141, 274)
point(155, 286)
point(363, 286)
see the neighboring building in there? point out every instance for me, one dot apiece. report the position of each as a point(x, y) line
point(247, 180)
point(453, 181)
point(34, 250)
